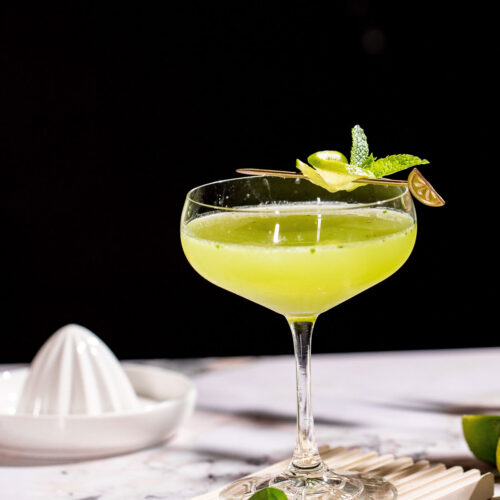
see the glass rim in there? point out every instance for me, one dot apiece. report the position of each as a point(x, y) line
point(264, 208)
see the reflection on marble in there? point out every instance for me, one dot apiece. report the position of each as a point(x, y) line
point(399, 403)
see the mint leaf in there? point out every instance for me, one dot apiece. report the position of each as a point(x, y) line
point(269, 494)
point(394, 163)
point(368, 162)
point(359, 150)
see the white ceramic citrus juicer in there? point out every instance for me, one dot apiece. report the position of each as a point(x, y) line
point(77, 400)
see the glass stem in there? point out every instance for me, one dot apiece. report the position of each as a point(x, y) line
point(306, 455)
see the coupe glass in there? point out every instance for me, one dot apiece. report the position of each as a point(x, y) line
point(299, 250)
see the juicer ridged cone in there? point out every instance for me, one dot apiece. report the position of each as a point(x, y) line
point(74, 372)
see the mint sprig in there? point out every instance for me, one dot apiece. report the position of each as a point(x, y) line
point(269, 494)
point(361, 157)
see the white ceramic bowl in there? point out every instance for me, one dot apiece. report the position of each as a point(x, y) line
point(167, 399)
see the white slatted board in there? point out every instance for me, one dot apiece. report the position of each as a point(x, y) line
point(413, 480)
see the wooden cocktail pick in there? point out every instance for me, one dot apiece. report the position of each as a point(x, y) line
point(419, 186)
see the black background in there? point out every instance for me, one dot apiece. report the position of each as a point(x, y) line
point(111, 113)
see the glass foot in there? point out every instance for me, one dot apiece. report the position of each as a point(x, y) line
point(374, 487)
point(323, 484)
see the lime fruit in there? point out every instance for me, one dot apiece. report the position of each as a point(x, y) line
point(482, 433)
point(498, 455)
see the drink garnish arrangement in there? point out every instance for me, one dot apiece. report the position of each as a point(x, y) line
point(301, 246)
point(332, 171)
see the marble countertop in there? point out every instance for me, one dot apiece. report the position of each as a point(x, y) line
point(404, 403)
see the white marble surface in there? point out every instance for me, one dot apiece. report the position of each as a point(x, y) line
point(406, 403)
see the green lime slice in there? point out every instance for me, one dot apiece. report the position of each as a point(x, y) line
point(482, 433)
point(336, 163)
point(330, 156)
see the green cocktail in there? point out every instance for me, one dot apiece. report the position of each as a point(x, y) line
point(299, 250)
point(298, 259)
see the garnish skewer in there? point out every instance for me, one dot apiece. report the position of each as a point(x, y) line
point(419, 186)
point(287, 173)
